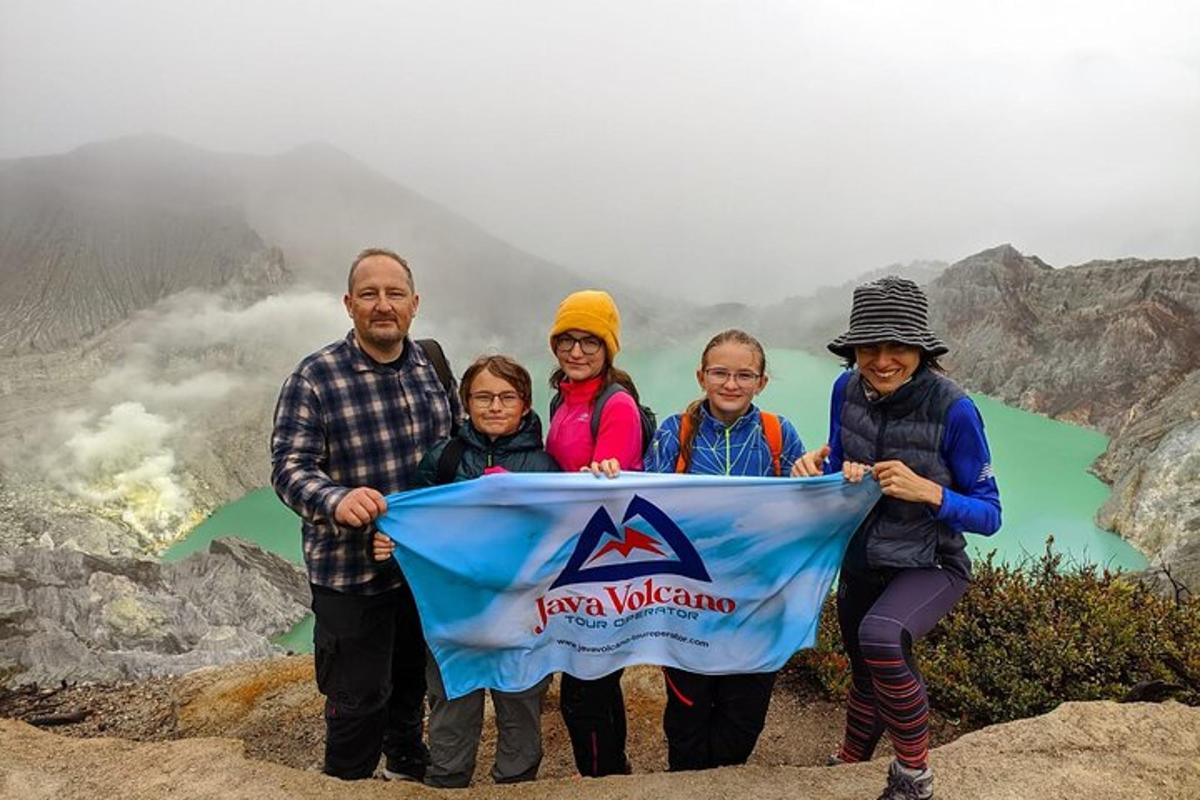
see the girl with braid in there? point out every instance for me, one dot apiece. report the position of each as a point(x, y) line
point(895, 416)
point(715, 720)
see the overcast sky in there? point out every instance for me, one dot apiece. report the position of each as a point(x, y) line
point(737, 150)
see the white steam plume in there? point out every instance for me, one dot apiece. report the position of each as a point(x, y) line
point(192, 382)
point(120, 464)
point(181, 370)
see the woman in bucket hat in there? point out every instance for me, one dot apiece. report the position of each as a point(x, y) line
point(895, 416)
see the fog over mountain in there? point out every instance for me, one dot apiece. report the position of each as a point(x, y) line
point(138, 218)
point(155, 294)
point(721, 152)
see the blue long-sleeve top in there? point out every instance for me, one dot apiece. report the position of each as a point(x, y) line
point(719, 449)
point(972, 503)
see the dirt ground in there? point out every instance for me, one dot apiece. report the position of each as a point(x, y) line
point(273, 707)
point(1098, 751)
point(254, 731)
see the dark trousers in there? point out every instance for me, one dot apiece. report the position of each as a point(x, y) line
point(594, 712)
point(370, 664)
point(714, 720)
point(881, 614)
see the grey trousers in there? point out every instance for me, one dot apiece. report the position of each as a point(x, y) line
point(455, 727)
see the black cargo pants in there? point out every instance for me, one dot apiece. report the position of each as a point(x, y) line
point(369, 653)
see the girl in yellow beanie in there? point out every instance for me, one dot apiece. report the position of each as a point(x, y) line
point(585, 338)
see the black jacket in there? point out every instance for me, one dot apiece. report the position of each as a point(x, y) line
point(522, 451)
point(907, 425)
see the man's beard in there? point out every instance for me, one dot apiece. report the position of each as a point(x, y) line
point(382, 339)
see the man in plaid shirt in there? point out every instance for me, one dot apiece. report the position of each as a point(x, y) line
point(352, 423)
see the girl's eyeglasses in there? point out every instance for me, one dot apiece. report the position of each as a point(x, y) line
point(719, 376)
point(590, 345)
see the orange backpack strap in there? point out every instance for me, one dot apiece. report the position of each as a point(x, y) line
point(685, 430)
point(773, 433)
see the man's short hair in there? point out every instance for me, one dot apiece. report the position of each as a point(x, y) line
point(369, 252)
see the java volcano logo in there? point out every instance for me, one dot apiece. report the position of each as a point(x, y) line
point(626, 561)
point(648, 542)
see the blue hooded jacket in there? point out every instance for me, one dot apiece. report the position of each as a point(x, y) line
point(739, 449)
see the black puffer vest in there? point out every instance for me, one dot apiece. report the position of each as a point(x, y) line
point(907, 426)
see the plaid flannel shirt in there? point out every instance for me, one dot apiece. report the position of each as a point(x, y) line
point(344, 421)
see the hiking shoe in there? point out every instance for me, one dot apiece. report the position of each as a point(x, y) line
point(908, 784)
point(406, 768)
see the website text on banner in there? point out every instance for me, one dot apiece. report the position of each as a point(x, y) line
point(517, 576)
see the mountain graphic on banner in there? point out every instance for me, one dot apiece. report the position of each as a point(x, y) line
point(646, 530)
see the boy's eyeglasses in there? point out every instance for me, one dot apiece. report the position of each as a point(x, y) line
point(485, 399)
point(590, 345)
point(720, 376)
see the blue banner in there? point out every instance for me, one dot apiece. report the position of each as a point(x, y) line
point(517, 576)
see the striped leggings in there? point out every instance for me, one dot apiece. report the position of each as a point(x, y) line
point(881, 614)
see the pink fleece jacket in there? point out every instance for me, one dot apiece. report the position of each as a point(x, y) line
point(569, 440)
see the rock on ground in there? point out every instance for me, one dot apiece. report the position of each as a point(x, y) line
point(68, 615)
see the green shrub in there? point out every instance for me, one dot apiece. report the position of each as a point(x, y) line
point(1024, 639)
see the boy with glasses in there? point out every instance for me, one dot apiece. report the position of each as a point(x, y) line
point(502, 434)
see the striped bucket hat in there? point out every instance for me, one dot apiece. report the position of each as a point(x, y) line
point(890, 309)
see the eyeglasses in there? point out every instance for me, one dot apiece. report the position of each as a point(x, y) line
point(590, 345)
point(720, 376)
point(485, 399)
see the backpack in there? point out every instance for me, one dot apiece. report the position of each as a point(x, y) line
point(772, 432)
point(448, 461)
point(437, 358)
point(648, 420)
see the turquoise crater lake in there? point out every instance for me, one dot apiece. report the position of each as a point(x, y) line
point(1040, 464)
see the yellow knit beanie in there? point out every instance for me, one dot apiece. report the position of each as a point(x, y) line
point(593, 311)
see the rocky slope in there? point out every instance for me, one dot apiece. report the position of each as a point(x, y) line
point(66, 614)
point(1111, 344)
point(1099, 344)
point(81, 248)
